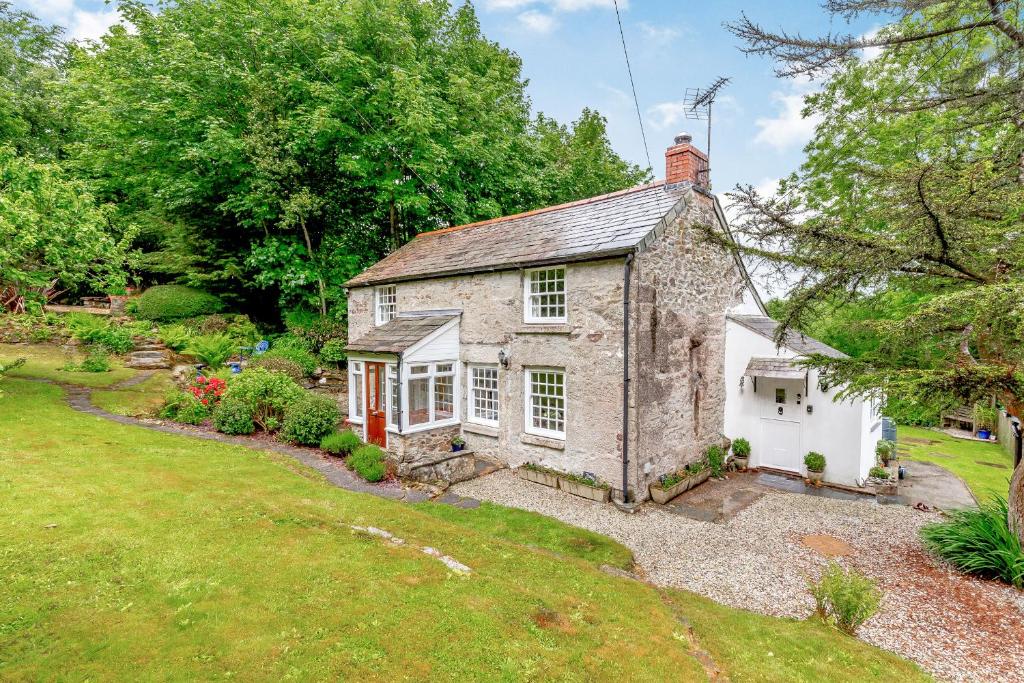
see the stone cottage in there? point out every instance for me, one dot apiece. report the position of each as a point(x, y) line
point(586, 337)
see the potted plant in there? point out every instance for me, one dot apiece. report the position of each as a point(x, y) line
point(669, 486)
point(697, 473)
point(585, 485)
point(741, 452)
point(884, 451)
point(815, 464)
point(458, 444)
point(538, 474)
point(985, 419)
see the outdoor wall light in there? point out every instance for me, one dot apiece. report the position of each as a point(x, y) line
point(504, 358)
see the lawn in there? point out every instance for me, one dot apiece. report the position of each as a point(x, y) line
point(131, 553)
point(985, 467)
point(47, 362)
point(145, 398)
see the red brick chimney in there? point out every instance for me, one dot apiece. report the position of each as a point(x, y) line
point(684, 163)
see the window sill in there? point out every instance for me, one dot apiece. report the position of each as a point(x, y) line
point(545, 441)
point(430, 425)
point(476, 428)
point(544, 328)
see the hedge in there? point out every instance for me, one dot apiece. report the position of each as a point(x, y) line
point(173, 302)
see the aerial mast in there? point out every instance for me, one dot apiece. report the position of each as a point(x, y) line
point(697, 106)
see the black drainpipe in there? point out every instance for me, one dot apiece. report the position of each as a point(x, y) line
point(627, 273)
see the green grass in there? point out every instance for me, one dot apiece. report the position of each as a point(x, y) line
point(961, 457)
point(128, 553)
point(753, 647)
point(144, 399)
point(46, 361)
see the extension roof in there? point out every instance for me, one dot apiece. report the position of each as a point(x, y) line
point(400, 333)
point(599, 227)
point(795, 341)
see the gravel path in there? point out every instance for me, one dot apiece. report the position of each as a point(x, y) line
point(957, 628)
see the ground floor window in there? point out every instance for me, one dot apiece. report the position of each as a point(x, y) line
point(431, 392)
point(483, 394)
point(356, 401)
point(392, 395)
point(545, 402)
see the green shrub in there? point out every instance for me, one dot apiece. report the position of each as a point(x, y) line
point(844, 598)
point(716, 460)
point(213, 349)
point(175, 337)
point(182, 406)
point(815, 462)
point(741, 448)
point(312, 329)
point(93, 330)
point(267, 393)
point(232, 324)
point(885, 450)
point(341, 443)
point(96, 361)
point(234, 416)
point(878, 473)
point(979, 542)
point(174, 302)
point(368, 462)
point(310, 419)
point(279, 364)
point(333, 351)
point(302, 358)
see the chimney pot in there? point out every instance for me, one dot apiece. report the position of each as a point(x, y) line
point(684, 138)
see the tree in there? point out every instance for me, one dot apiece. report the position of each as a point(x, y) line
point(914, 180)
point(52, 235)
point(276, 147)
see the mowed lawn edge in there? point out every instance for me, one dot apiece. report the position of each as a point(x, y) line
point(133, 553)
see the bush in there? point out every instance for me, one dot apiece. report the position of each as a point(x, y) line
point(267, 393)
point(96, 361)
point(815, 462)
point(312, 329)
point(234, 416)
point(213, 349)
point(844, 598)
point(279, 364)
point(175, 337)
point(341, 443)
point(232, 324)
point(979, 542)
point(885, 450)
point(878, 473)
point(174, 302)
point(741, 448)
point(96, 331)
point(310, 419)
point(182, 406)
point(716, 460)
point(368, 462)
point(333, 351)
point(300, 357)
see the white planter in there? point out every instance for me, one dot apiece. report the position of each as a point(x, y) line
point(538, 477)
point(584, 491)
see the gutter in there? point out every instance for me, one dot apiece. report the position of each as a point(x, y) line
point(627, 272)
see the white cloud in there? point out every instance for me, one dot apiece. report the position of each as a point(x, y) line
point(537, 22)
point(870, 53)
point(619, 96)
point(666, 114)
point(499, 5)
point(91, 25)
point(788, 128)
point(658, 35)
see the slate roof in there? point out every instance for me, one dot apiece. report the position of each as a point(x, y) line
point(796, 341)
point(782, 368)
point(607, 225)
point(399, 334)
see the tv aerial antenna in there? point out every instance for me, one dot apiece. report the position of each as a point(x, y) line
point(697, 105)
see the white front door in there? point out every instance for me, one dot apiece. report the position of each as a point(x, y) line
point(781, 419)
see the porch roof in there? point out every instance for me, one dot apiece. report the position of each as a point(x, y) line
point(777, 368)
point(400, 334)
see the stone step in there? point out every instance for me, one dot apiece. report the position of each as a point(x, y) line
point(149, 363)
point(149, 355)
point(150, 347)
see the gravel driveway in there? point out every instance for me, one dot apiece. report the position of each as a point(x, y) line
point(959, 629)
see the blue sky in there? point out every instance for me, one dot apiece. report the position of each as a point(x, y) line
point(572, 55)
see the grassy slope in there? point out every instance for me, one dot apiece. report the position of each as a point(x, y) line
point(46, 362)
point(177, 559)
point(145, 398)
point(961, 457)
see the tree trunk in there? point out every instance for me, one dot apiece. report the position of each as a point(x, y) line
point(319, 277)
point(1016, 513)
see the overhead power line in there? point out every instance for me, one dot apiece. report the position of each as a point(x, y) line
point(629, 70)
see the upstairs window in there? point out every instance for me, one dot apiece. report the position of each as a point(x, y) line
point(385, 304)
point(545, 402)
point(544, 295)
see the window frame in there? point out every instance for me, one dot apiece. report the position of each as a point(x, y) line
point(431, 375)
point(528, 295)
point(390, 379)
point(392, 292)
point(356, 383)
point(528, 425)
point(471, 413)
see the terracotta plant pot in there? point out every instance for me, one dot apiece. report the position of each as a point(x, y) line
point(576, 488)
point(538, 477)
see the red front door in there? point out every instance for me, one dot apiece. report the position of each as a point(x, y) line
point(376, 414)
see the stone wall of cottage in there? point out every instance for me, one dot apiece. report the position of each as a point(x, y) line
point(682, 288)
point(589, 347)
